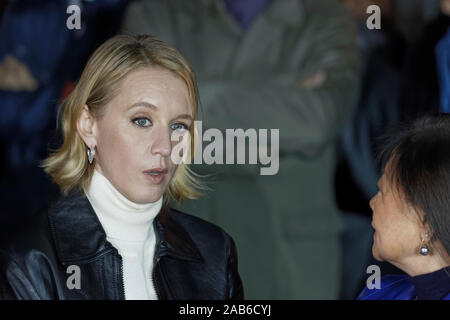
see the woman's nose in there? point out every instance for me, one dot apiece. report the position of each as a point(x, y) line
point(372, 202)
point(162, 144)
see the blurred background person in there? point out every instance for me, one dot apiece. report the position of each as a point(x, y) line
point(419, 91)
point(40, 58)
point(285, 64)
point(442, 54)
point(382, 52)
point(411, 15)
point(410, 212)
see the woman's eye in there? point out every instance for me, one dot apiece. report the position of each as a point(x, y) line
point(179, 126)
point(142, 122)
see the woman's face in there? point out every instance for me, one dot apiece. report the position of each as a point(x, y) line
point(133, 138)
point(445, 7)
point(397, 232)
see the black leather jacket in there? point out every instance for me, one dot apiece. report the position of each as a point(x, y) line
point(193, 259)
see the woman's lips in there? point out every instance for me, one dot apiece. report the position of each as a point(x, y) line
point(155, 176)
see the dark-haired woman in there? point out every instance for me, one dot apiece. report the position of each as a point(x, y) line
point(411, 212)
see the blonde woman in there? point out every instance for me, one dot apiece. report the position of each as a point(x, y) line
point(111, 233)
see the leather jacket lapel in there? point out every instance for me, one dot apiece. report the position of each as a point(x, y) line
point(174, 240)
point(77, 232)
point(79, 235)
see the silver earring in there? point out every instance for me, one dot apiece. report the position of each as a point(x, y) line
point(91, 154)
point(424, 249)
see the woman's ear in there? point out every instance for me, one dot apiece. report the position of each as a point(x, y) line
point(87, 127)
point(426, 232)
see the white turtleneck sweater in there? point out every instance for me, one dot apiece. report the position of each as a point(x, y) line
point(129, 228)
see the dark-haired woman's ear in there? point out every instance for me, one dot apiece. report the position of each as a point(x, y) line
point(87, 127)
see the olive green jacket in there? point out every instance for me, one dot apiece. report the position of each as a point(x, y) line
point(295, 69)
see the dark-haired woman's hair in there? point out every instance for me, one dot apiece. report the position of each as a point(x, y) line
point(419, 166)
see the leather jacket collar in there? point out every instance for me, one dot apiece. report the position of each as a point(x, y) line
point(80, 237)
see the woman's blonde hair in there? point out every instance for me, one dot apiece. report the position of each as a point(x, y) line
point(109, 64)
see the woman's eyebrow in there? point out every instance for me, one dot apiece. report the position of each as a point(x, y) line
point(151, 106)
point(184, 116)
point(143, 104)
